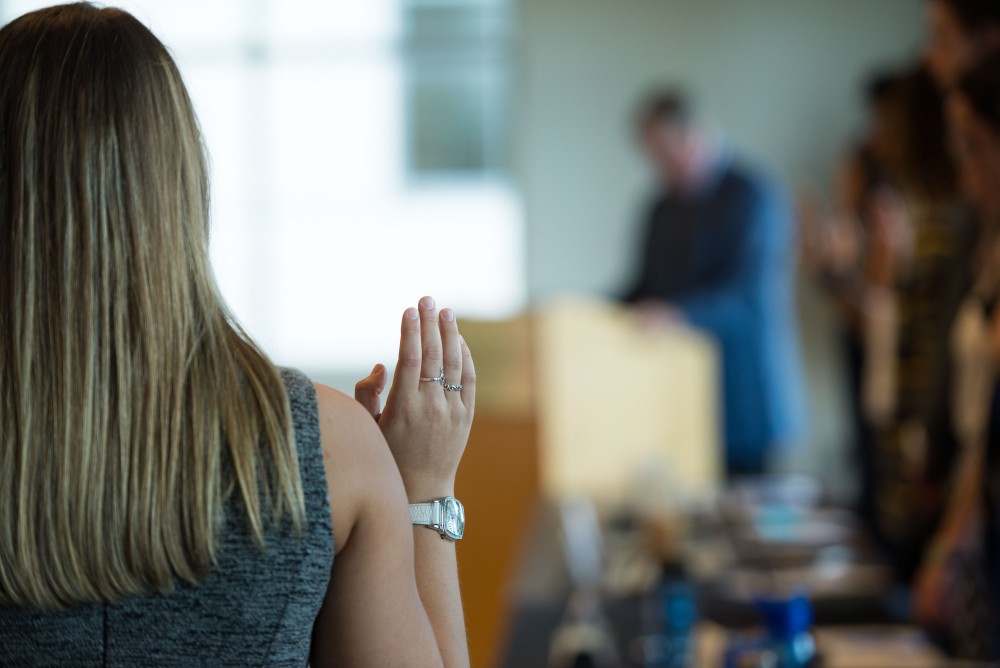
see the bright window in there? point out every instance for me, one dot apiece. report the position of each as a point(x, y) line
point(357, 163)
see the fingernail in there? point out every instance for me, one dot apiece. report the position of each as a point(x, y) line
point(374, 370)
point(447, 314)
point(411, 313)
point(427, 302)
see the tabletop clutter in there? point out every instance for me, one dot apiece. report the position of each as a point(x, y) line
point(764, 576)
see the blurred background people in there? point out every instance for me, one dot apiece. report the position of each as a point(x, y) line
point(957, 587)
point(905, 285)
point(834, 248)
point(717, 255)
point(919, 239)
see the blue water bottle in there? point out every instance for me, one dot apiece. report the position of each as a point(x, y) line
point(788, 623)
point(672, 645)
point(786, 641)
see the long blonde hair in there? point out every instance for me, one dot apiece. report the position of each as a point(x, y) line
point(131, 405)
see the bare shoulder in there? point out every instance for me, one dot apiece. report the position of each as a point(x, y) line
point(359, 465)
point(342, 419)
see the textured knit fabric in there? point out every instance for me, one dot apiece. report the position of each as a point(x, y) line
point(256, 608)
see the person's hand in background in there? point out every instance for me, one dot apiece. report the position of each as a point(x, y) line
point(653, 315)
point(891, 245)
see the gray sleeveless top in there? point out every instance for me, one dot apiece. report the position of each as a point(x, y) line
point(256, 608)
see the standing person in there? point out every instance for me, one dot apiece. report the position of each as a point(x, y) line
point(167, 495)
point(834, 249)
point(718, 254)
point(920, 239)
point(958, 586)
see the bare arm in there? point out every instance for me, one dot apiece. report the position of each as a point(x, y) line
point(372, 614)
point(394, 597)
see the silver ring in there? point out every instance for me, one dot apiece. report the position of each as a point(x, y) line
point(440, 379)
point(436, 379)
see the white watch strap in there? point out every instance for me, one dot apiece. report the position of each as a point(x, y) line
point(425, 513)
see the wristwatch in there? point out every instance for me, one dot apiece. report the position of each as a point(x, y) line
point(445, 515)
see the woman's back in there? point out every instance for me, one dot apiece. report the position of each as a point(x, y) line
point(257, 607)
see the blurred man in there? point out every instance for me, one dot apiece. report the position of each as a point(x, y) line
point(717, 254)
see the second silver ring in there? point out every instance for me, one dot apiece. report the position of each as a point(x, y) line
point(440, 379)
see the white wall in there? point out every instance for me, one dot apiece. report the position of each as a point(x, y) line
point(781, 77)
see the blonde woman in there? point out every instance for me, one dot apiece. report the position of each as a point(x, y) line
point(168, 496)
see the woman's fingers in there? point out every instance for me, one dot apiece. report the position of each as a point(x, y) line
point(408, 366)
point(432, 354)
point(451, 344)
point(430, 342)
point(468, 377)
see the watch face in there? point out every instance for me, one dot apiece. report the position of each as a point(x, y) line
point(454, 519)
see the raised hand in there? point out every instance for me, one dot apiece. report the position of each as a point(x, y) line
point(428, 413)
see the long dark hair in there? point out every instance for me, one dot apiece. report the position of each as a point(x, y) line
point(918, 159)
